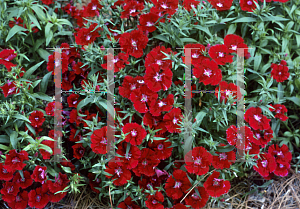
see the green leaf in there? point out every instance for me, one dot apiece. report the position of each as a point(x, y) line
point(34, 20)
point(66, 169)
point(48, 33)
point(231, 29)
point(285, 42)
point(13, 31)
point(296, 100)
point(3, 147)
point(42, 96)
point(162, 38)
point(32, 69)
point(45, 82)
point(13, 139)
point(257, 61)
point(227, 148)
point(204, 29)
point(65, 22)
point(189, 40)
point(245, 19)
point(30, 128)
point(4, 139)
point(45, 147)
point(21, 117)
point(40, 13)
point(84, 102)
point(43, 53)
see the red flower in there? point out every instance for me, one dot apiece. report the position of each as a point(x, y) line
point(9, 191)
point(188, 4)
point(133, 43)
point(265, 165)
point(154, 201)
point(177, 185)
point(6, 56)
point(155, 122)
point(283, 158)
point(248, 5)
point(221, 5)
point(78, 150)
point(256, 119)
point(232, 42)
point(155, 56)
point(20, 201)
point(279, 110)
point(147, 162)
point(260, 139)
point(172, 120)
point(60, 183)
point(80, 70)
point(86, 36)
point(47, 2)
point(129, 84)
point(161, 148)
point(208, 72)
point(227, 90)
point(130, 160)
point(39, 198)
point(196, 53)
point(282, 1)
point(9, 88)
point(99, 140)
point(166, 6)
point(196, 201)
point(5, 174)
point(67, 79)
point(147, 22)
point(46, 155)
point(73, 100)
point(50, 108)
point(39, 174)
point(280, 71)
point(216, 187)
point(91, 9)
point(119, 62)
point(164, 105)
point(23, 182)
point(224, 159)
point(128, 203)
point(198, 161)
point(220, 54)
point(157, 78)
point(142, 96)
point(131, 9)
point(37, 118)
point(119, 174)
point(136, 133)
point(64, 62)
point(94, 182)
point(14, 160)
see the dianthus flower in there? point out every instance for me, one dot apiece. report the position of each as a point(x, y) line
point(37, 118)
point(158, 78)
point(147, 162)
point(172, 120)
point(147, 22)
point(99, 140)
point(283, 158)
point(155, 56)
point(130, 160)
point(142, 96)
point(265, 165)
point(280, 71)
point(39, 174)
point(256, 119)
point(14, 160)
point(279, 109)
point(221, 5)
point(87, 36)
point(119, 174)
point(196, 201)
point(198, 161)
point(248, 5)
point(154, 201)
point(220, 54)
point(39, 198)
point(216, 187)
point(208, 72)
point(6, 56)
point(224, 159)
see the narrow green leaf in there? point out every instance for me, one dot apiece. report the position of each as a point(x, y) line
point(35, 21)
point(21, 117)
point(45, 82)
point(16, 29)
point(30, 128)
point(13, 139)
point(245, 19)
point(84, 102)
point(42, 96)
point(227, 148)
point(162, 38)
point(43, 53)
point(4, 139)
point(296, 100)
point(3, 147)
point(45, 147)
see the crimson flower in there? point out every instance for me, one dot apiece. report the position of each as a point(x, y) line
point(157, 78)
point(161, 148)
point(39, 174)
point(196, 201)
point(20, 201)
point(221, 5)
point(248, 5)
point(131, 9)
point(50, 108)
point(91, 10)
point(14, 160)
point(262, 139)
point(47, 2)
point(60, 183)
point(39, 198)
point(283, 158)
point(216, 187)
point(136, 133)
point(147, 22)
point(280, 71)
point(172, 120)
point(164, 105)
point(80, 70)
point(279, 110)
point(99, 140)
point(208, 72)
point(224, 159)
point(23, 182)
point(6, 56)
point(256, 119)
point(63, 62)
point(154, 201)
point(220, 54)
point(147, 162)
point(236, 136)
point(9, 191)
point(37, 118)
point(198, 161)
point(155, 56)
point(46, 155)
point(73, 100)
point(189, 4)
point(94, 182)
point(9, 88)
point(155, 122)
point(128, 203)
point(87, 36)
point(129, 84)
point(78, 150)
point(5, 174)
point(166, 6)
point(133, 43)
point(196, 53)
point(130, 160)
point(119, 174)
point(119, 62)
point(142, 96)
point(227, 90)
point(265, 165)
point(177, 185)
point(232, 42)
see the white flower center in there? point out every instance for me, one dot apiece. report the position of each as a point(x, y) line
point(195, 55)
point(74, 102)
point(115, 60)
point(88, 38)
point(158, 77)
point(177, 184)
point(207, 72)
point(249, 2)
point(132, 87)
point(221, 54)
point(216, 182)
point(264, 163)
point(258, 118)
point(175, 120)
point(94, 7)
point(233, 47)
point(281, 166)
point(118, 171)
point(279, 73)
point(36, 118)
point(223, 156)
point(198, 161)
point(228, 92)
point(160, 104)
point(149, 24)
point(164, 6)
point(133, 133)
point(219, 4)
point(159, 62)
point(144, 98)
point(140, 81)
point(132, 11)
